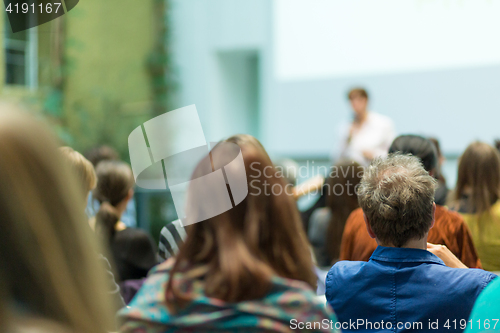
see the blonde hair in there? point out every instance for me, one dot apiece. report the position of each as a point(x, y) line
point(82, 167)
point(48, 259)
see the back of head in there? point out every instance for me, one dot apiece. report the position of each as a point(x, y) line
point(397, 196)
point(114, 182)
point(244, 247)
point(417, 146)
point(101, 153)
point(479, 176)
point(82, 168)
point(48, 261)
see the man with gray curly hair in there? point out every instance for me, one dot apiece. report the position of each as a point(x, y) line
point(397, 197)
point(402, 286)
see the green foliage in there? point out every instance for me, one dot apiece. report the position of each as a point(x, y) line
point(87, 97)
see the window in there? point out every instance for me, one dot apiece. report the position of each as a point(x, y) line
point(21, 49)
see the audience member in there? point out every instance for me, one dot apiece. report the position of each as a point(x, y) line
point(476, 197)
point(449, 229)
point(327, 224)
point(172, 237)
point(133, 251)
point(101, 153)
point(50, 278)
point(85, 173)
point(486, 310)
point(97, 155)
point(402, 283)
point(441, 194)
point(237, 271)
point(369, 135)
point(83, 169)
point(497, 144)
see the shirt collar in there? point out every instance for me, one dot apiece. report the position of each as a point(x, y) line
point(398, 254)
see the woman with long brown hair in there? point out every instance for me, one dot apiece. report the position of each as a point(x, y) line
point(247, 269)
point(50, 278)
point(327, 224)
point(476, 197)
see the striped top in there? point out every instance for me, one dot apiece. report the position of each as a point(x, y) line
point(172, 236)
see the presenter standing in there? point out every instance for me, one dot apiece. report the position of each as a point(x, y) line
point(369, 135)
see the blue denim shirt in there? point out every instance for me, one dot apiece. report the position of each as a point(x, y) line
point(401, 290)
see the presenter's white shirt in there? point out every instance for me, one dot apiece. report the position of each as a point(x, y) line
point(374, 136)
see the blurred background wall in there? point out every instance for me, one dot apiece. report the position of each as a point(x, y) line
point(86, 72)
point(276, 69)
point(281, 69)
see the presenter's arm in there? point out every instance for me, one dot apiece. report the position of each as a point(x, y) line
point(311, 185)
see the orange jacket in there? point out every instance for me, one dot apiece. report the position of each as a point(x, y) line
point(449, 229)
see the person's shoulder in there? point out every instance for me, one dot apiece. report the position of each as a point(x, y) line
point(490, 294)
point(469, 280)
point(486, 307)
point(494, 288)
point(483, 276)
point(340, 275)
point(355, 218)
point(344, 270)
point(447, 216)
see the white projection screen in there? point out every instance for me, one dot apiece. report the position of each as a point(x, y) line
point(431, 65)
point(337, 38)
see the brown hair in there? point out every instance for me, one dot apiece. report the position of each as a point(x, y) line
point(397, 197)
point(114, 181)
point(48, 260)
point(357, 92)
point(347, 175)
point(479, 170)
point(237, 252)
point(83, 169)
point(101, 153)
